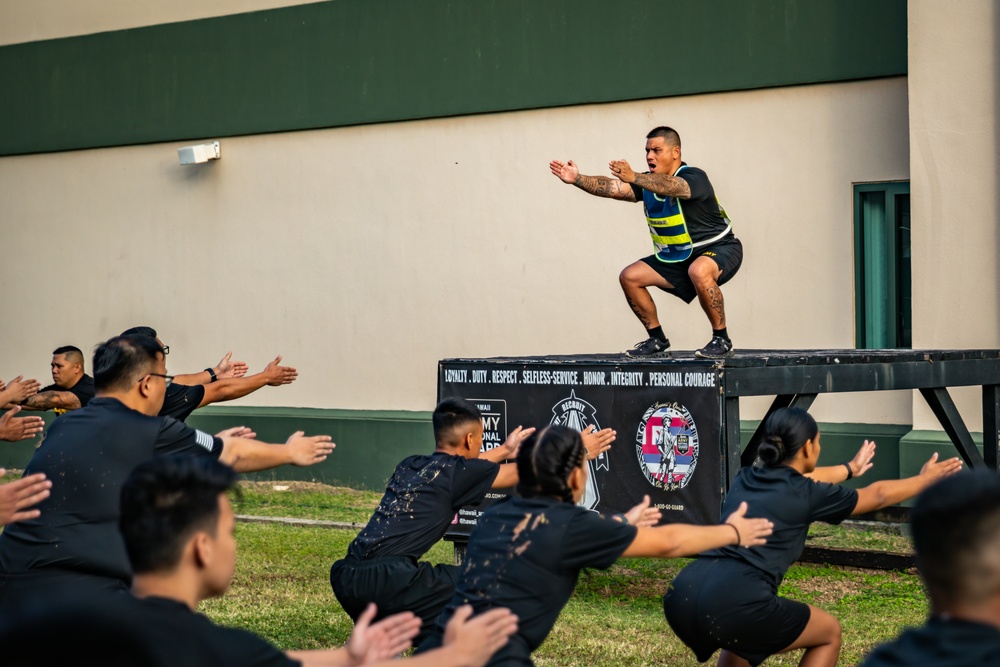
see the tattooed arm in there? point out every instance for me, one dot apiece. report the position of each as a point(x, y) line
point(661, 184)
point(599, 186)
point(46, 400)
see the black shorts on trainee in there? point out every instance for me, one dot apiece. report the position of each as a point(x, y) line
point(727, 253)
point(726, 603)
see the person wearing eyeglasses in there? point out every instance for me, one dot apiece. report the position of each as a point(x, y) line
point(74, 544)
point(225, 381)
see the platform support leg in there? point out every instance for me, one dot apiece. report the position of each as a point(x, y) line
point(730, 440)
point(780, 401)
point(944, 409)
point(991, 426)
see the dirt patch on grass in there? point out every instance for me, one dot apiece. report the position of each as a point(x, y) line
point(301, 487)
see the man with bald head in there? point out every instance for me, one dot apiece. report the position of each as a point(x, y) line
point(695, 251)
point(71, 387)
point(75, 545)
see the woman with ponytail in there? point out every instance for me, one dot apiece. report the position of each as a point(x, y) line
point(527, 552)
point(728, 599)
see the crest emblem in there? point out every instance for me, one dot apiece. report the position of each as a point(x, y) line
point(578, 414)
point(667, 445)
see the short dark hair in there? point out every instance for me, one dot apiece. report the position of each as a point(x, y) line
point(164, 502)
point(140, 331)
point(668, 134)
point(546, 459)
point(785, 431)
point(956, 536)
point(121, 361)
point(450, 414)
point(72, 352)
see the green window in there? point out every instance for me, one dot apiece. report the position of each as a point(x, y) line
point(882, 284)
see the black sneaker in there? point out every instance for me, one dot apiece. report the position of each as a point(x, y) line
point(717, 348)
point(650, 348)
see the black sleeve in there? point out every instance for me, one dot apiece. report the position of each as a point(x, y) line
point(472, 481)
point(831, 503)
point(84, 390)
point(248, 650)
point(594, 541)
point(178, 438)
point(637, 191)
point(181, 400)
point(697, 180)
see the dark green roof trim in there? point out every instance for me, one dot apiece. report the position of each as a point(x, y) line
point(352, 62)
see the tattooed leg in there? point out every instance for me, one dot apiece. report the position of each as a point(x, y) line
point(704, 273)
point(634, 280)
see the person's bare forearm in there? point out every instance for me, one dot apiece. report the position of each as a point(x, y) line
point(245, 455)
point(829, 474)
point(192, 379)
point(602, 186)
point(233, 388)
point(47, 400)
point(664, 185)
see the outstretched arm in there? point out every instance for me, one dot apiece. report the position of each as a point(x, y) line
point(892, 491)
point(246, 455)
point(16, 497)
point(681, 539)
point(22, 428)
point(599, 186)
point(273, 375)
point(859, 465)
point(224, 370)
point(661, 184)
point(17, 390)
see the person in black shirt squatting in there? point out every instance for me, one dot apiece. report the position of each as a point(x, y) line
point(955, 526)
point(223, 382)
point(74, 546)
point(178, 525)
point(419, 504)
point(728, 597)
point(695, 248)
point(526, 552)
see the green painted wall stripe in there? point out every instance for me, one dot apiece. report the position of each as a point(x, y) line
point(343, 63)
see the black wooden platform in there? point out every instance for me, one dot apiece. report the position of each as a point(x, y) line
point(797, 377)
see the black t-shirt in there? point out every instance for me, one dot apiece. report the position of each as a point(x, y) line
point(83, 390)
point(88, 454)
point(125, 630)
point(420, 502)
point(701, 210)
point(526, 555)
point(791, 501)
point(181, 400)
point(940, 643)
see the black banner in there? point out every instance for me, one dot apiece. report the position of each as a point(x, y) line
point(667, 418)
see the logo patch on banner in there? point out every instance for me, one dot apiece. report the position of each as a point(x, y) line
point(667, 445)
point(578, 414)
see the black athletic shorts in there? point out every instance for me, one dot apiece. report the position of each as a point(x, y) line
point(726, 603)
point(395, 584)
point(727, 253)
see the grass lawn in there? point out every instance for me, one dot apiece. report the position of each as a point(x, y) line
point(282, 592)
point(281, 589)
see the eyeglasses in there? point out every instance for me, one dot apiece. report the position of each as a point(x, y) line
point(166, 350)
point(167, 379)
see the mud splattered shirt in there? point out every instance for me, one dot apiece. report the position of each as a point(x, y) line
point(526, 554)
point(420, 502)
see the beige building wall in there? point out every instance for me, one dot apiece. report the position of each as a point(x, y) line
point(953, 69)
point(366, 254)
point(34, 20)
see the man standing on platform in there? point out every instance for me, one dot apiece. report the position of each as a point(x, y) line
point(696, 250)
